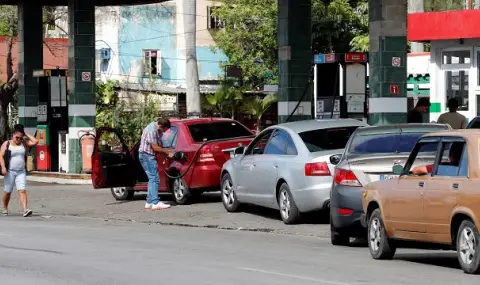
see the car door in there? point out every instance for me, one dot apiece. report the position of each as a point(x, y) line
point(266, 167)
point(442, 194)
point(112, 164)
point(246, 170)
point(405, 210)
point(169, 142)
point(279, 159)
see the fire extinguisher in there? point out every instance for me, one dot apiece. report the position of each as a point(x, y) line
point(87, 142)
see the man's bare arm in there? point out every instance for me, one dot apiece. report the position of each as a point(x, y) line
point(2, 155)
point(157, 148)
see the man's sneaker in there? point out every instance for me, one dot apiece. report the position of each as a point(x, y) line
point(27, 213)
point(148, 206)
point(160, 206)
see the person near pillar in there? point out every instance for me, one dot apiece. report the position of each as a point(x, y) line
point(416, 114)
point(150, 145)
point(452, 117)
point(13, 161)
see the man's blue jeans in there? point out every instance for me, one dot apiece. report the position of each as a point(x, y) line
point(149, 164)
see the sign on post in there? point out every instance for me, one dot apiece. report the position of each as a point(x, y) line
point(394, 89)
point(86, 76)
point(396, 61)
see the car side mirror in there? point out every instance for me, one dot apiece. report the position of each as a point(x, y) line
point(239, 150)
point(397, 169)
point(335, 159)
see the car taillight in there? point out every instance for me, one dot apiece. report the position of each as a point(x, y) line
point(205, 156)
point(346, 177)
point(317, 169)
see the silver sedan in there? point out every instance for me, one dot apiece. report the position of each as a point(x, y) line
point(287, 167)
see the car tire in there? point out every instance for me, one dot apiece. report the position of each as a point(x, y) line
point(181, 193)
point(229, 198)
point(379, 245)
point(288, 209)
point(468, 242)
point(336, 238)
point(122, 193)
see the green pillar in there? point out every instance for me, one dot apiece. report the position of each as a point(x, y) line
point(295, 58)
point(388, 82)
point(81, 80)
point(30, 58)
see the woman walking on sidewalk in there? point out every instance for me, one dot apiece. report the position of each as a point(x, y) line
point(13, 161)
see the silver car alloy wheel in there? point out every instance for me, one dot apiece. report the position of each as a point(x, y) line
point(119, 191)
point(179, 189)
point(285, 204)
point(375, 234)
point(228, 193)
point(467, 246)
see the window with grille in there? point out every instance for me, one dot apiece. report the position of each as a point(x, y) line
point(152, 63)
point(213, 21)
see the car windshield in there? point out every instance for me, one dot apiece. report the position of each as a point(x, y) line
point(385, 143)
point(217, 130)
point(327, 139)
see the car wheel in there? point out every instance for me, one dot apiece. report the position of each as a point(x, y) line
point(467, 245)
point(229, 198)
point(122, 193)
point(336, 238)
point(379, 244)
point(180, 191)
point(288, 209)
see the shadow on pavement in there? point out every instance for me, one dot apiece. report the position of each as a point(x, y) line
point(438, 259)
point(314, 218)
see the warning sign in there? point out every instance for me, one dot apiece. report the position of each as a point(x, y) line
point(86, 76)
point(396, 61)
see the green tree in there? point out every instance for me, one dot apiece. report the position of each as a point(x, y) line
point(249, 38)
point(226, 100)
point(249, 34)
point(257, 106)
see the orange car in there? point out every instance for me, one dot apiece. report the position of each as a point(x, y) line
point(434, 203)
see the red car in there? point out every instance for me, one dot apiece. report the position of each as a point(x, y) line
point(207, 144)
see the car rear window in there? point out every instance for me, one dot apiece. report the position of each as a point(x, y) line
point(386, 143)
point(217, 130)
point(327, 139)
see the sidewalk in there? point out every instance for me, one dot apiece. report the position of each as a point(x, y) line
point(59, 178)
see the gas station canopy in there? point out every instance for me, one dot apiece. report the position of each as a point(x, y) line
point(97, 2)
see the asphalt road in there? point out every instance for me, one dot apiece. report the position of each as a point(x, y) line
point(71, 250)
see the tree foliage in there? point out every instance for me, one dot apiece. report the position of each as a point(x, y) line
point(257, 106)
point(128, 118)
point(249, 36)
point(225, 101)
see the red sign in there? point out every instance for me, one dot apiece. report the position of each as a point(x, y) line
point(329, 58)
point(355, 57)
point(394, 89)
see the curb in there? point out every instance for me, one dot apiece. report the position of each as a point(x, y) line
point(35, 177)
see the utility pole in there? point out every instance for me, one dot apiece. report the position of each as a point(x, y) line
point(416, 6)
point(193, 86)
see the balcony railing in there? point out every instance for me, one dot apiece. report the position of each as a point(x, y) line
point(450, 5)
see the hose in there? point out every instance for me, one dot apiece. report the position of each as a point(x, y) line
point(194, 158)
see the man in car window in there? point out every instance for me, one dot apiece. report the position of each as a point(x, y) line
point(150, 144)
point(454, 156)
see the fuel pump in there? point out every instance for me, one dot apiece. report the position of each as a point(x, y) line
point(52, 118)
point(340, 86)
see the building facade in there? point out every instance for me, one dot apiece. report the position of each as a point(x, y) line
point(455, 53)
point(143, 47)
